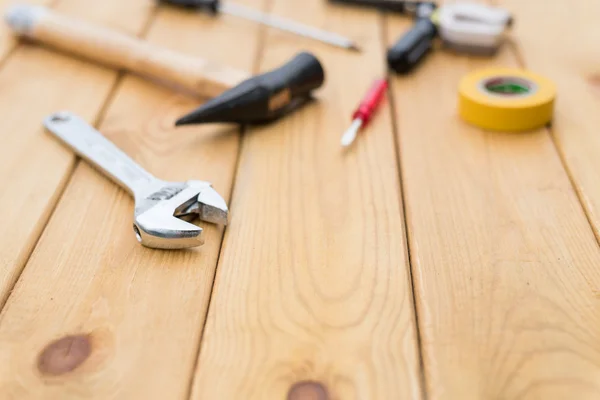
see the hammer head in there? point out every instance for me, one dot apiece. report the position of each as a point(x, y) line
point(263, 98)
point(161, 218)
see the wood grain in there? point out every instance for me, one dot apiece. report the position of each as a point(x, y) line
point(34, 167)
point(559, 45)
point(129, 316)
point(312, 298)
point(195, 75)
point(504, 262)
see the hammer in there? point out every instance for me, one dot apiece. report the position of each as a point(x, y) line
point(236, 95)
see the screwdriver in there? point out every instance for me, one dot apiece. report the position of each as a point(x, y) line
point(365, 110)
point(215, 6)
point(412, 48)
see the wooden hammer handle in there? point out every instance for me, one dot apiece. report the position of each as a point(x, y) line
point(121, 51)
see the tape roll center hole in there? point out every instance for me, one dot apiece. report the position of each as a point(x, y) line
point(509, 86)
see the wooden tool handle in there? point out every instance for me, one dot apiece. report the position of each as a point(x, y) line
point(120, 51)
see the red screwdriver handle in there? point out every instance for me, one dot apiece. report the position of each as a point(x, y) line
point(371, 101)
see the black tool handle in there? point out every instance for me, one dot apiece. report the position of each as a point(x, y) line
point(211, 6)
point(300, 75)
point(269, 96)
point(265, 97)
point(397, 6)
point(403, 56)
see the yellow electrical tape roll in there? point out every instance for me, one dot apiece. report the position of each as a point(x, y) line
point(506, 99)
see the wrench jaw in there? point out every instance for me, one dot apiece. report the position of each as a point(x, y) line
point(157, 222)
point(159, 231)
point(162, 219)
point(213, 207)
point(208, 207)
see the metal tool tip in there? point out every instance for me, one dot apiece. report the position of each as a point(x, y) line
point(348, 138)
point(213, 207)
point(22, 17)
point(350, 134)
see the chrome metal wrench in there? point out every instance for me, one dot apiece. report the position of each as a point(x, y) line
point(162, 209)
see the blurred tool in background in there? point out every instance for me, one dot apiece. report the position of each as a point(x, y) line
point(262, 98)
point(365, 111)
point(120, 51)
point(464, 27)
point(216, 6)
point(414, 45)
point(468, 28)
point(396, 6)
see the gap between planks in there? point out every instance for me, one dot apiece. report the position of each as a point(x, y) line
point(578, 189)
point(262, 31)
point(312, 294)
point(407, 233)
point(520, 61)
point(69, 173)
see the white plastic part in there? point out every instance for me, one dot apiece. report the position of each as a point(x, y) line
point(473, 25)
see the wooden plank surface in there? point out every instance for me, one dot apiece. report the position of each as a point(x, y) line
point(96, 315)
point(504, 261)
point(312, 298)
point(35, 82)
point(561, 46)
point(313, 295)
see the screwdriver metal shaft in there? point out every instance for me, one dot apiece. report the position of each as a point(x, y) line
point(350, 134)
point(365, 111)
point(287, 25)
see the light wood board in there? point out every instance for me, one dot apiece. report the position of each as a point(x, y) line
point(505, 264)
point(561, 46)
point(324, 289)
point(129, 317)
point(34, 83)
point(312, 298)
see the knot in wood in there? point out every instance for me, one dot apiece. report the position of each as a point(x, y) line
point(308, 390)
point(64, 355)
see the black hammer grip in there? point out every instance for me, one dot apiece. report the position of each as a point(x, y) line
point(301, 75)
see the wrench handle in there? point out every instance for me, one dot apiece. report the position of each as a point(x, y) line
point(92, 146)
point(120, 51)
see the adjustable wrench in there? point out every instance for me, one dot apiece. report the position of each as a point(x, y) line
point(162, 209)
